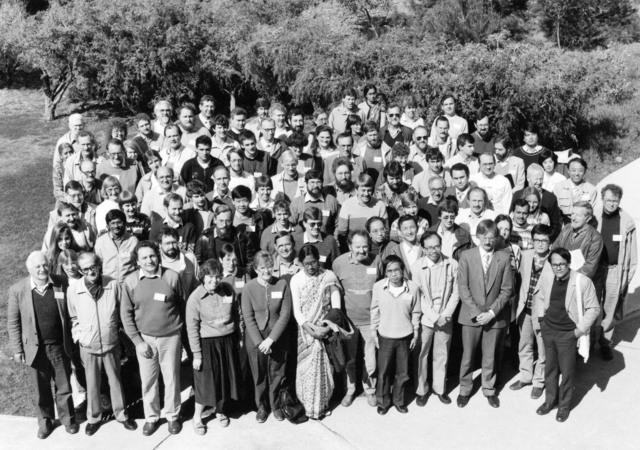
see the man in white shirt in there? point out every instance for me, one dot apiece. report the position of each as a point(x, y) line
point(163, 112)
point(508, 165)
point(496, 186)
point(153, 200)
point(440, 138)
point(76, 125)
point(469, 218)
point(434, 168)
point(175, 154)
point(339, 114)
point(187, 123)
point(461, 184)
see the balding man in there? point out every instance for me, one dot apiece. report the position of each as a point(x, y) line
point(163, 112)
point(496, 186)
point(91, 185)
point(76, 125)
point(175, 154)
point(153, 201)
point(39, 334)
point(548, 202)
point(289, 183)
point(428, 207)
point(86, 152)
point(127, 171)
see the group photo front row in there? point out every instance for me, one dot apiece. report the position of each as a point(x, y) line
point(286, 271)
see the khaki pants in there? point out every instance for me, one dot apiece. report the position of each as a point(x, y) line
point(362, 338)
point(531, 371)
point(93, 365)
point(440, 338)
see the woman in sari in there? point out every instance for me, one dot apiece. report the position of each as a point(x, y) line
point(314, 291)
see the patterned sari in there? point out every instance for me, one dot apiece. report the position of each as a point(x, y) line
point(314, 378)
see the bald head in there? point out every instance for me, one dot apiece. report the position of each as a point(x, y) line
point(38, 266)
point(87, 166)
point(164, 171)
point(535, 175)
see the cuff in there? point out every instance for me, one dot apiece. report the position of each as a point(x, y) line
point(137, 339)
point(197, 355)
point(492, 313)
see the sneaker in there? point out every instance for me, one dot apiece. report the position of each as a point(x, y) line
point(199, 428)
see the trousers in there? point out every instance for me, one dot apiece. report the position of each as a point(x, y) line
point(440, 338)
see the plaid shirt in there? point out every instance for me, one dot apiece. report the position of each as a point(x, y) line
point(536, 270)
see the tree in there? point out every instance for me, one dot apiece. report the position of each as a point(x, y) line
point(12, 17)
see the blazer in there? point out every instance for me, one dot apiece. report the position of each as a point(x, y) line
point(526, 263)
point(21, 319)
point(590, 305)
point(591, 247)
point(478, 295)
point(450, 298)
point(262, 306)
point(399, 251)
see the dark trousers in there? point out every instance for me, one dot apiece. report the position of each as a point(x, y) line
point(560, 354)
point(393, 369)
point(491, 338)
point(51, 362)
point(268, 370)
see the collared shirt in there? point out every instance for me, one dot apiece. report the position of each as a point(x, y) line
point(483, 256)
point(41, 290)
point(396, 290)
point(449, 241)
point(412, 252)
point(307, 239)
point(142, 275)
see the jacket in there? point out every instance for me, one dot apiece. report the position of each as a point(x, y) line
point(564, 193)
point(398, 250)
point(205, 247)
point(450, 298)
point(264, 307)
point(591, 247)
point(628, 254)
point(525, 277)
point(116, 261)
point(463, 239)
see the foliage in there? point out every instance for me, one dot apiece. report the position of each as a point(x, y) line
point(12, 14)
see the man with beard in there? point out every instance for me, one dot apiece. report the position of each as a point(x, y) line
point(344, 187)
point(201, 167)
point(370, 110)
point(153, 201)
point(345, 150)
point(370, 150)
point(174, 217)
point(127, 171)
point(83, 233)
point(314, 197)
point(392, 189)
point(428, 207)
point(508, 165)
point(418, 155)
point(326, 244)
point(163, 112)
point(115, 246)
point(469, 218)
point(434, 168)
point(358, 271)
point(181, 262)
point(484, 139)
point(339, 114)
point(441, 139)
point(205, 118)
point(175, 154)
point(146, 139)
point(461, 184)
point(187, 124)
point(256, 124)
point(289, 183)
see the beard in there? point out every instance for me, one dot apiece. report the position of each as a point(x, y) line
point(344, 185)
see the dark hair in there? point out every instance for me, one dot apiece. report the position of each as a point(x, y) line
point(280, 234)
point(263, 181)
point(520, 202)
point(203, 140)
point(487, 226)
point(189, 106)
point(296, 139)
point(562, 253)
point(449, 205)
point(115, 214)
point(312, 213)
point(429, 234)
point(392, 169)
point(65, 207)
point(435, 153)
point(238, 112)
point(341, 161)
point(210, 267)
point(481, 113)
point(246, 135)
point(140, 117)
point(226, 249)
point(263, 103)
point(613, 188)
point(361, 233)
point(366, 180)
point(295, 112)
point(308, 250)
point(546, 154)
point(506, 141)
point(172, 126)
point(460, 166)
point(345, 135)
point(172, 197)
point(151, 154)
point(400, 149)
point(446, 96)
point(313, 174)
point(542, 229)
point(127, 197)
point(196, 187)
point(367, 88)
point(370, 125)
point(352, 119)
point(73, 185)
point(349, 92)
point(281, 205)
point(531, 127)
point(501, 218)
point(407, 218)
point(241, 191)
point(390, 260)
point(579, 160)
point(464, 139)
point(168, 232)
point(145, 244)
point(220, 120)
point(371, 220)
point(442, 119)
point(207, 98)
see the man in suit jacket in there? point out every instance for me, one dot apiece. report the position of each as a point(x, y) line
point(485, 287)
point(39, 333)
point(409, 249)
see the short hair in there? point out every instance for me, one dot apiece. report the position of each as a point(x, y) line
point(392, 169)
point(308, 250)
point(361, 233)
point(220, 167)
point(446, 96)
point(210, 268)
point(115, 142)
point(73, 185)
point(262, 256)
point(109, 182)
point(68, 257)
point(235, 151)
point(542, 229)
point(35, 253)
point(441, 119)
point(613, 188)
point(168, 232)
point(296, 112)
point(370, 126)
point(367, 88)
point(579, 160)
point(487, 226)
point(150, 154)
point(145, 244)
point(449, 205)
point(241, 191)
point(546, 154)
point(313, 174)
point(220, 120)
point(353, 119)
point(407, 218)
point(399, 150)
point(207, 98)
point(341, 161)
point(408, 198)
point(204, 140)
point(117, 124)
point(534, 168)
point(521, 202)
point(434, 179)
point(226, 249)
point(531, 127)
point(502, 218)
point(289, 154)
point(280, 234)
point(76, 117)
point(530, 190)
point(160, 102)
point(349, 92)
point(188, 106)
point(263, 181)
point(317, 112)
point(172, 197)
point(408, 101)
point(312, 213)
point(481, 113)
point(263, 103)
point(85, 255)
point(584, 204)
point(246, 135)
point(127, 197)
point(393, 106)
point(562, 253)
point(365, 180)
point(465, 139)
point(344, 135)
point(372, 220)
point(325, 128)
point(297, 139)
point(277, 107)
point(429, 235)
point(434, 153)
point(281, 205)
point(478, 189)
point(115, 214)
point(390, 259)
point(196, 187)
point(172, 126)
point(237, 111)
point(460, 166)
point(506, 141)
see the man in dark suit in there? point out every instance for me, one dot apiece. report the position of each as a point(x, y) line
point(485, 287)
point(39, 333)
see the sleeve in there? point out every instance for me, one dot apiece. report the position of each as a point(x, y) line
point(127, 314)
point(145, 207)
point(58, 183)
point(285, 314)
point(73, 315)
point(454, 298)
point(14, 323)
point(249, 316)
point(590, 304)
point(592, 257)
point(463, 287)
point(343, 220)
point(506, 288)
point(375, 310)
point(192, 321)
point(295, 299)
point(416, 311)
point(633, 256)
point(139, 192)
point(520, 176)
point(508, 197)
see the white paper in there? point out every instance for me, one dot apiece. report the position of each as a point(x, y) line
point(59, 295)
point(325, 213)
point(617, 238)
point(239, 284)
point(323, 258)
point(577, 260)
point(372, 271)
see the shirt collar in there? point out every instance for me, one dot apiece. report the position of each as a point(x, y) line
point(141, 274)
point(307, 239)
point(484, 253)
point(405, 286)
point(33, 284)
point(430, 263)
point(310, 199)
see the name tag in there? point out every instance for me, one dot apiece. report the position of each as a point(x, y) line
point(192, 143)
point(585, 197)
point(239, 284)
point(226, 299)
point(276, 295)
point(323, 258)
point(257, 174)
point(159, 297)
point(325, 213)
point(59, 295)
point(154, 146)
point(617, 238)
point(372, 271)
point(251, 228)
point(377, 159)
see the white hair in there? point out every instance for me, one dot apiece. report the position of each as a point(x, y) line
point(34, 255)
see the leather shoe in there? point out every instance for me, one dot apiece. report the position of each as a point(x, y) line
point(261, 415)
point(536, 392)
point(606, 353)
point(494, 401)
point(401, 409)
point(91, 428)
point(45, 431)
point(545, 409)
point(347, 400)
point(130, 424)
point(72, 428)
point(463, 400)
point(149, 428)
point(371, 400)
point(278, 415)
point(444, 398)
point(562, 415)
point(518, 385)
point(382, 410)
point(175, 426)
point(421, 400)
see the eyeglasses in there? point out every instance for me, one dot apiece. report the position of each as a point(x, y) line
point(393, 115)
point(310, 263)
point(559, 266)
point(435, 248)
point(612, 202)
point(89, 173)
point(264, 269)
point(269, 129)
point(541, 241)
point(421, 138)
point(86, 270)
point(314, 224)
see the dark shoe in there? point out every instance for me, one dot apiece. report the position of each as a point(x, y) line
point(347, 400)
point(45, 431)
point(562, 415)
point(175, 426)
point(518, 385)
point(421, 400)
point(130, 424)
point(536, 392)
point(278, 415)
point(463, 400)
point(606, 353)
point(382, 410)
point(402, 409)
point(545, 409)
point(72, 428)
point(494, 401)
point(444, 398)
point(149, 428)
point(261, 415)
point(91, 428)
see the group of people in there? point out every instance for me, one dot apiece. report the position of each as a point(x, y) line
point(278, 262)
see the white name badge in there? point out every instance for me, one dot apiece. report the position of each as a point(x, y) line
point(577, 259)
point(323, 258)
point(192, 143)
point(276, 295)
point(372, 271)
point(159, 297)
point(226, 299)
point(257, 174)
point(325, 213)
point(251, 228)
point(377, 159)
point(154, 146)
point(59, 295)
point(617, 238)
point(239, 284)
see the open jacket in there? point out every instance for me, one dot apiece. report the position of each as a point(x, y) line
point(628, 254)
point(526, 264)
point(450, 299)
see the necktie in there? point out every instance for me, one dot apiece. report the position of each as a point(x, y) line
point(485, 263)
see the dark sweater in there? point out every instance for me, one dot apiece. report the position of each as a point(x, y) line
point(610, 228)
point(556, 316)
point(47, 315)
point(192, 170)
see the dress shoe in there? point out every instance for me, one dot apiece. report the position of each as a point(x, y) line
point(91, 428)
point(72, 428)
point(149, 428)
point(421, 400)
point(382, 410)
point(463, 400)
point(536, 392)
point(545, 409)
point(371, 400)
point(261, 415)
point(278, 415)
point(44, 432)
point(494, 401)
point(130, 424)
point(347, 400)
point(606, 352)
point(223, 419)
point(175, 426)
point(401, 409)
point(518, 385)
point(562, 415)
point(444, 398)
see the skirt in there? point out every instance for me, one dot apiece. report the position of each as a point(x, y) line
point(219, 377)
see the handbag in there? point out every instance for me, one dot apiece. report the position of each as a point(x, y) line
point(291, 406)
point(584, 342)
